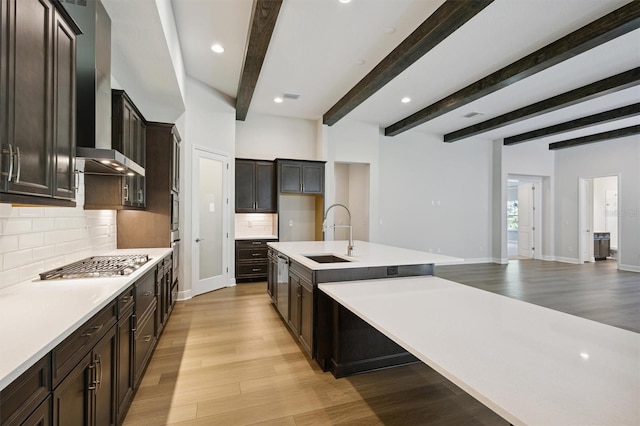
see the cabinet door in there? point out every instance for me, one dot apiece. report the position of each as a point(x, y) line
point(313, 178)
point(72, 398)
point(124, 364)
point(41, 416)
point(29, 96)
point(306, 316)
point(104, 366)
point(64, 111)
point(175, 163)
point(265, 194)
point(291, 178)
point(245, 181)
point(294, 303)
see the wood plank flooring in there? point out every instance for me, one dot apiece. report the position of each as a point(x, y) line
point(226, 358)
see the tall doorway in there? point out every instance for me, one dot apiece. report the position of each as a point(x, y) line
point(598, 219)
point(352, 190)
point(210, 221)
point(524, 218)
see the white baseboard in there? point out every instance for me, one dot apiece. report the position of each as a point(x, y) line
point(567, 260)
point(630, 268)
point(184, 295)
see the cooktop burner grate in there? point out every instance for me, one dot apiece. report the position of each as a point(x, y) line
point(98, 266)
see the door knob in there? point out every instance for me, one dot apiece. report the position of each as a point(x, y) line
point(199, 239)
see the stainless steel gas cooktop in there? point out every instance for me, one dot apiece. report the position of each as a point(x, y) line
point(98, 266)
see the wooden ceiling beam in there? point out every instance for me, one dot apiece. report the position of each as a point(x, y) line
point(450, 16)
point(595, 90)
point(611, 134)
point(600, 31)
point(580, 123)
point(264, 16)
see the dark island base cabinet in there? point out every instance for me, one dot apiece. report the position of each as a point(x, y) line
point(337, 339)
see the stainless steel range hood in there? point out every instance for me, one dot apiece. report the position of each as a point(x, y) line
point(93, 92)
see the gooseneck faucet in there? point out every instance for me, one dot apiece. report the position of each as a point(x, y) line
point(325, 226)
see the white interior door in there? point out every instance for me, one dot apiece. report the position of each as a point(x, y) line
point(210, 195)
point(525, 220)
point(586, 220)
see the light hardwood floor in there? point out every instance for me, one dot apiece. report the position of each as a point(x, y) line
point(226, 358)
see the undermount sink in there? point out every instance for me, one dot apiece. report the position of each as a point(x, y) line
point(327, 258)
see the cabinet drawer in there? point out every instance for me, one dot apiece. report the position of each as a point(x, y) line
point(145, 293)
point(125, 300)
point(145, 339)
point(252, 243)
point(23, 395)
point(251, 269)
point(259, 253)
point(67, 354)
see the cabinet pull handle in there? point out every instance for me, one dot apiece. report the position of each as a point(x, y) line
point(98, 381)
point(147, 338)
point(256, 269)
point(256, 254)
point(19, 165)
point(126, 192)
point(256, 243)
point(10, 152)
point(135, 323)
point(92, 330)
point(140, 196)
point(147, 293)
point(76, 180)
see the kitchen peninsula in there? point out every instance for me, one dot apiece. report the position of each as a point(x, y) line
point(332, 335)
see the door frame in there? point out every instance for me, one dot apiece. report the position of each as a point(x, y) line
point(226, 223)
point(585, 201)
point(538, 233)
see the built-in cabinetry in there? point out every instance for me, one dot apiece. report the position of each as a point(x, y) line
point(251, 259)
point(91, 376)
point(301, 305)
point(128, 136)
point(300, 177)
point(38, 98)
point(255, 186)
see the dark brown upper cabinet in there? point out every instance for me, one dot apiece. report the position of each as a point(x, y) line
point(255, 186)
point(38, 98)
point(128, 136)
point(301, 177)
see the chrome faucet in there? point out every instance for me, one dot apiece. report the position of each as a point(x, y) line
point(325, 226)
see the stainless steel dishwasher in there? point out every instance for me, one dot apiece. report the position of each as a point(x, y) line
point(282, 286)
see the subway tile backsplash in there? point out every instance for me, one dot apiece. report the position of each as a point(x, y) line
point(36, 239)
point(256, 225)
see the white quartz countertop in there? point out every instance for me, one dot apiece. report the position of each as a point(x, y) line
point(256, 237)
point(36, 316)
point(530, 364)
point(365, 254)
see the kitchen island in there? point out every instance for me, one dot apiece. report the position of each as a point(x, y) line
point(530, 364)
point(336, 338)
point(48, 327)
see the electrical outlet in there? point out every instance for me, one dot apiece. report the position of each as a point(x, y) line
point(291, 223)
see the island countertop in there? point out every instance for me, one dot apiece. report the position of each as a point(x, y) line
point(530, 364)
point(365, 254)
point(35, 316)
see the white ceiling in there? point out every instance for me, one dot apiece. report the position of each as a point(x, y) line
point(316, 46)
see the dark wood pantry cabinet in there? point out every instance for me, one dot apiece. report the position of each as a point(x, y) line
point(255, 186)
point(38, 99)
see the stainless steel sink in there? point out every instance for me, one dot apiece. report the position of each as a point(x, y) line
point(327, 258)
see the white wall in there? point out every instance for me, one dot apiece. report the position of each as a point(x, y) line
point(267, 137)
point(209, 123)
point(619, 157)
point(37, 239)
point(435, 195)
point(354, 142)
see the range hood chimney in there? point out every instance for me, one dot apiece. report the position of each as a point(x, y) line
point(93, 92)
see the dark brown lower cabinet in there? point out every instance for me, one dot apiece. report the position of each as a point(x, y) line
point(87, 395)
point(41, 416)
point(144, 341)
point(301, 309)
point(124, 364)
point(21, 397)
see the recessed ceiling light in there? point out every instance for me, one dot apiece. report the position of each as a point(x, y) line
point(390, 30)
point(217, 48)
point(277, 100)
point(344, 1)
point(359, 62)
point(131, 174)
point(405, 100)
point(120, 169)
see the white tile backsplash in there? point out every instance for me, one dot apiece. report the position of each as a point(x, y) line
point(256, 225)
point(37, 239)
